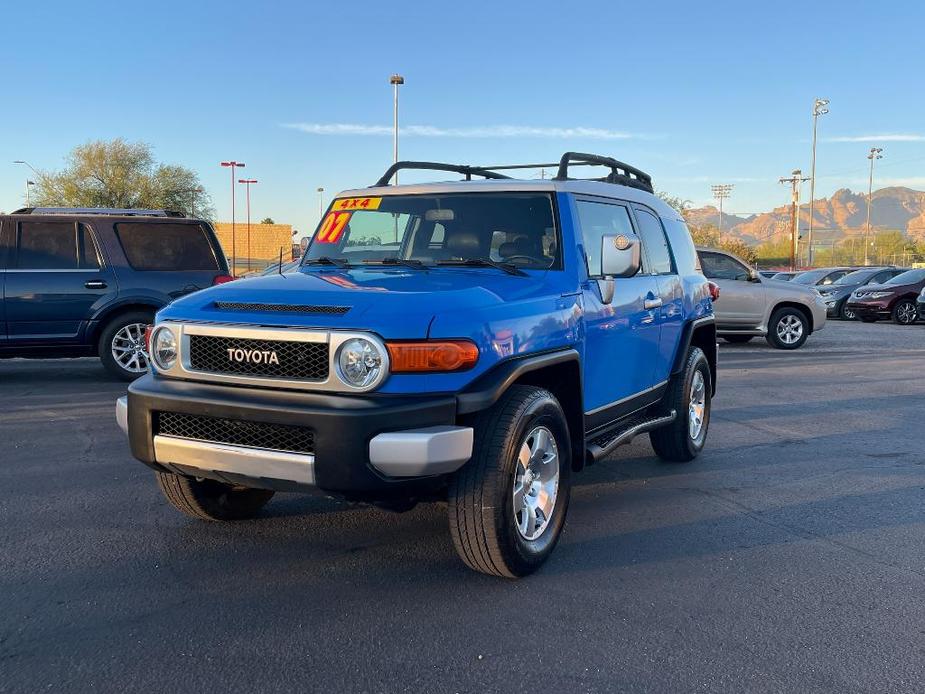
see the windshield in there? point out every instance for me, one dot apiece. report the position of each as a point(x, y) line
point(426, 230)
point(809, 277)
point(856, 277)
point(908, 277)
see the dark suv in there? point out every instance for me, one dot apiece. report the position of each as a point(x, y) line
point(84, 282)
point(895, 298)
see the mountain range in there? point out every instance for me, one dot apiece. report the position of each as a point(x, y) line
point(842, 215)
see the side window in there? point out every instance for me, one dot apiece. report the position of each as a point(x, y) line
point(166, 246)
point(87, 250)
point(655, 243)
point(598, 219)
point(718, 266)
point(47, 246)
point(881, 277)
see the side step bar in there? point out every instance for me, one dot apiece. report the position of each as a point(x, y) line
point(605, 444)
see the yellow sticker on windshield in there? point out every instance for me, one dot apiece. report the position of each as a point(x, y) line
point(352, 204)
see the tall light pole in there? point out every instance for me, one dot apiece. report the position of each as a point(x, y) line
point(819, 109)
point(247, 184)
point(395, 80)
point(233, 165)
point(720, 193)
point(795, 180)
point(320, 201)
point(28, 182)
point(875, 153)
point(192, 199)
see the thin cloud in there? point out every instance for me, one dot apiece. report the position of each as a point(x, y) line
point(888, 137)
point(484, 131)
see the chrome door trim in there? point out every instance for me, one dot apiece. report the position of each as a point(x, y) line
point(627, 398)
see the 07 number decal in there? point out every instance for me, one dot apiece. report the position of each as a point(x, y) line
point(332, 227)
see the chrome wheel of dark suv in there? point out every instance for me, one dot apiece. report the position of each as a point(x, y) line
point(905, 312)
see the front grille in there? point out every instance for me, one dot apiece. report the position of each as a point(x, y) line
point(293, 360)
point(281, 308)
point(276, 437)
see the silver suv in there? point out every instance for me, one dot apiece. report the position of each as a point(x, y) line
point(784, 313)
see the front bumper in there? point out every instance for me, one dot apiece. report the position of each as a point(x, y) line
point(871, 309)
point(364, 446)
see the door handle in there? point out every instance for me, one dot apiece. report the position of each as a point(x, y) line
point(95, 284)
point(652, 303)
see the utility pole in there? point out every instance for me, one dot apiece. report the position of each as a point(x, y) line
point(233, 165)
point(819, 109)
point(795, 180)
point(247, 184)
point(395, 80)
point(720, 193)
point(875, 153)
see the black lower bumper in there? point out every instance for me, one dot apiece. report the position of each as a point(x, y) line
point(343, 426)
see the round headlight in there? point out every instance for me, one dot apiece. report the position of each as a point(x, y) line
point(359, 362)
point(164, 348)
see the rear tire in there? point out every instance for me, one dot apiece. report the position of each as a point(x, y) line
point(506, 509)
point(737, 339)
point(690, 397)
point(121, 345)
point(210, 500)
point(788, 328)
point(905, 312)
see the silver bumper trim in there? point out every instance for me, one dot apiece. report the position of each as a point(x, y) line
point(220, 457)
point(415, 452)
point(122, 414)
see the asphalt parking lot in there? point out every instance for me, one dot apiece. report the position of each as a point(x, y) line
point(789, 557)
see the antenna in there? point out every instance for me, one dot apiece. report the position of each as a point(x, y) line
point(281, 261)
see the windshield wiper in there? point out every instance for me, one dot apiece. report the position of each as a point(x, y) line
point(407, 262)
point(327, 260)
point(509, 268)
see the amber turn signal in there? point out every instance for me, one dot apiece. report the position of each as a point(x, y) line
point(432, 356)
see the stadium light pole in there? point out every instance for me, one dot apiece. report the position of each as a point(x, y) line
point(320, 201)
point(233, 165)
point(875, 153)
point(395, 80)
point(819, 109)
point(247, 184)
point(720, 193)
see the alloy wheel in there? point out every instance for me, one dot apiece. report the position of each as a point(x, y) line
point(906, 313)
point(790, 329)
point(697, 406)
point(536, 482)
point(128, 348)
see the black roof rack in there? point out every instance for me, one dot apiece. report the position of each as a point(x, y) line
point(128, 212)
point(620, 173)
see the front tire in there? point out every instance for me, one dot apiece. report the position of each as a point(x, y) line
point(210, 500)
point(846, 313)
point(689, 396)
point(507, 505)
point(905, 312)
point(787, 329)
point(121, 346)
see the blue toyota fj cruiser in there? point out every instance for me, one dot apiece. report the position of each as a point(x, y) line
point(472, 341)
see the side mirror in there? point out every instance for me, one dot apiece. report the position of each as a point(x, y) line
point(621, 255)
point(753, 275)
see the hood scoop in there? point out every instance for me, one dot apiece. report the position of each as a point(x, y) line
point(281, 308)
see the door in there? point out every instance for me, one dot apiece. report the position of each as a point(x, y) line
point(741, 301)
point(621, 337)
point(659, 262)
point(55, 281)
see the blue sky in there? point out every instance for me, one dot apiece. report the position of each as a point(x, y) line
point(694, 93)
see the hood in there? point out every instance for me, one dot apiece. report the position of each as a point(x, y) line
point(394, 302)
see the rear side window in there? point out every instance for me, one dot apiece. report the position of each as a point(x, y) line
point(166, 246)
point(49, 245)
point(655, 243)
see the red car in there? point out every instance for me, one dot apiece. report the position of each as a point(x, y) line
point(894, 298)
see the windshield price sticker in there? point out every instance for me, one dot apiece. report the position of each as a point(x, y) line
point(357, 204)
point(332, 227)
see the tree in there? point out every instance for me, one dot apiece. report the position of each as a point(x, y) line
point(121, 174)
point(679, 204)
point(267, 220)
